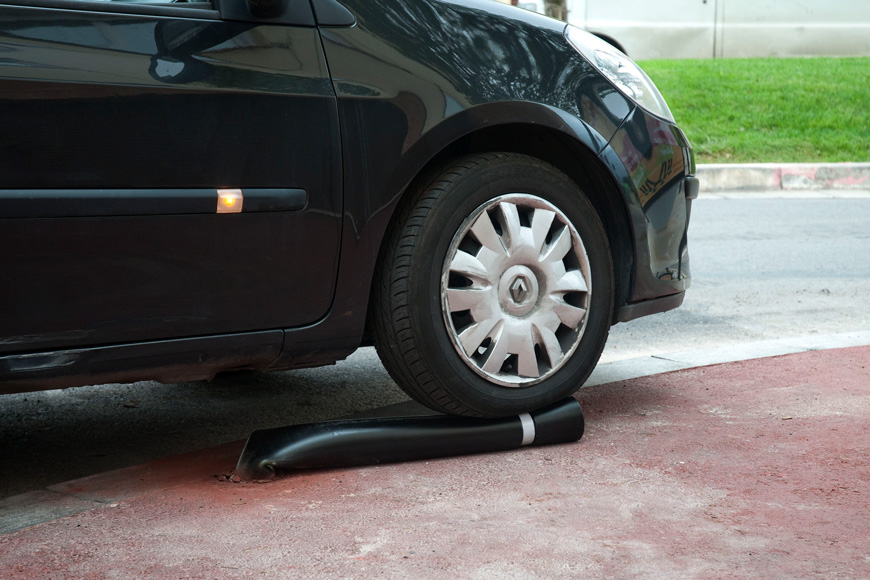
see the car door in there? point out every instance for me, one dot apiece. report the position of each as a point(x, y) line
point(131, 134)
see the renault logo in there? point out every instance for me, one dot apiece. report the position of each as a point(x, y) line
point(519, 289)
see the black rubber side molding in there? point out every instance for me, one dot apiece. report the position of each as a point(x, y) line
point(64, 203)
point(270, 452)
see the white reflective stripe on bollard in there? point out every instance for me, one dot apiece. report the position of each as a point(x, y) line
point(528, 429)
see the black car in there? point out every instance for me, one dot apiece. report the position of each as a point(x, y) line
point(188, 188)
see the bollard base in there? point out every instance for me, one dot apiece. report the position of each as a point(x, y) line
point(390, 439)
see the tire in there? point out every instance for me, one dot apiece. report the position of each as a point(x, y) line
point(494, 291)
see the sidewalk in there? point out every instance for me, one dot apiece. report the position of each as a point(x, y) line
point(746, 469)
point(772, 177)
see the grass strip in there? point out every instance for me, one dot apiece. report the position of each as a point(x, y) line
point(765, 110)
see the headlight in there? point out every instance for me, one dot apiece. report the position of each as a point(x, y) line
point(620, 70)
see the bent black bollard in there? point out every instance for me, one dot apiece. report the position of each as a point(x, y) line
point(355, 442)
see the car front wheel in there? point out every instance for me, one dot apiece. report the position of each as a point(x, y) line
point(494, 292)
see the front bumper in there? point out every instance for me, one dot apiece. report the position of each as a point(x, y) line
point(633, 310)
point(647, 307)
point(653, 163)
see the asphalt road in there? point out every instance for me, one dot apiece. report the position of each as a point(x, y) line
point(764, 267)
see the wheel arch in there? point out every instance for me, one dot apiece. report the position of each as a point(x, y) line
point(567, 154)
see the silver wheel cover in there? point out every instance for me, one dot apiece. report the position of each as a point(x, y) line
point(515, 289)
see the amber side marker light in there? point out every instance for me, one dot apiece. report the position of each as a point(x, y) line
point(229, 201)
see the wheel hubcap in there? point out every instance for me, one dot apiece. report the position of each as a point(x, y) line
point(515, 289)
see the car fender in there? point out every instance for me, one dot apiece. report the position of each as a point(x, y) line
point(367, 217)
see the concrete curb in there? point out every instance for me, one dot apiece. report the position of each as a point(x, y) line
point(777, 177)
point(645, 366)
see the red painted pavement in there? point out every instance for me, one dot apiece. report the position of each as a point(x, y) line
point(756, 469)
